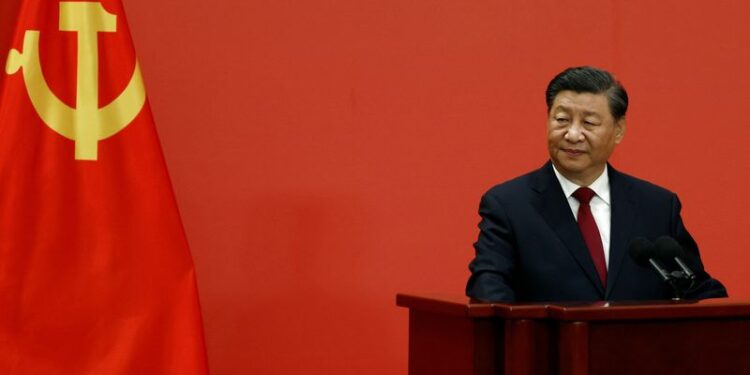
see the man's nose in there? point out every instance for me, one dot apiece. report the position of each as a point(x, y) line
point(574, 133)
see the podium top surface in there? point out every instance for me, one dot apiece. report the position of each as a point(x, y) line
point(462, 306)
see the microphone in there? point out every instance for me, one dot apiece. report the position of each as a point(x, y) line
point(668, 248)
point(644, 253)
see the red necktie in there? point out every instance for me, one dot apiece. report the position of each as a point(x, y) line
point(590, 232)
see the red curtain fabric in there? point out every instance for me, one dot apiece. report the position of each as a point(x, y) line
point(95, 271)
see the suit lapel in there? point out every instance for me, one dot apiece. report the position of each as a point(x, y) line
point(554, 208)
point(623, 214)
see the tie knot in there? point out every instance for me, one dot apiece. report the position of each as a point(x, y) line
point(584, 195)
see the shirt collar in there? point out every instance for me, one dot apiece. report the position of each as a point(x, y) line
point(600, 186)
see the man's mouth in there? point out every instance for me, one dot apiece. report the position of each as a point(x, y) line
point(572, 152)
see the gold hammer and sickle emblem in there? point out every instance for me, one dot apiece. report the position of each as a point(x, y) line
point(86, 124)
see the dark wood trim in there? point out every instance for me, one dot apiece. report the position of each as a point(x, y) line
point(720, 308)
point(574, 348)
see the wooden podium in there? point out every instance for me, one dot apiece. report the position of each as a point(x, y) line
point(453, 335)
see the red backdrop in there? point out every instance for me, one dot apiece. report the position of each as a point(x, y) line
point(328, 154)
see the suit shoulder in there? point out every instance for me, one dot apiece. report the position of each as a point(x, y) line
point(513, 188)
point(647, 188)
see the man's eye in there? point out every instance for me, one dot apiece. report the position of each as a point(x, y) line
point(590, 123)
point(561, 119)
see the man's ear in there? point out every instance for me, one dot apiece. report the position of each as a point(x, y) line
point(620, 126)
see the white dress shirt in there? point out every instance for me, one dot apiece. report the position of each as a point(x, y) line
point(601, 208)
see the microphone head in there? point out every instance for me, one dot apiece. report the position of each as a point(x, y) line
point(668, 248)
point(641, 250)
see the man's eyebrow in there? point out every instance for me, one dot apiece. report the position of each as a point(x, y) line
point(568, 109)
point(592, 113)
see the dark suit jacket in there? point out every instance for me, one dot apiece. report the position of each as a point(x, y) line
point(530, 247)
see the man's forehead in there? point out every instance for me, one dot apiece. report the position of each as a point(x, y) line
point(584, 102)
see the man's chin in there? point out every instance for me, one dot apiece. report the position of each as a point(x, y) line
point(565, 164)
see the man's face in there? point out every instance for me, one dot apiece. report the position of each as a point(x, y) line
point(581, 135)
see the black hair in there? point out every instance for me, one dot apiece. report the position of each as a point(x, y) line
point(591, 80)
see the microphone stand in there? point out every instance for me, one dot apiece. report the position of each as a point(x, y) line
point(675, 278)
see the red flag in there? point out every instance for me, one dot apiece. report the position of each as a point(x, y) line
point(95, 271)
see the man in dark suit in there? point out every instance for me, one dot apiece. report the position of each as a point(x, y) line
point(561, 233)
